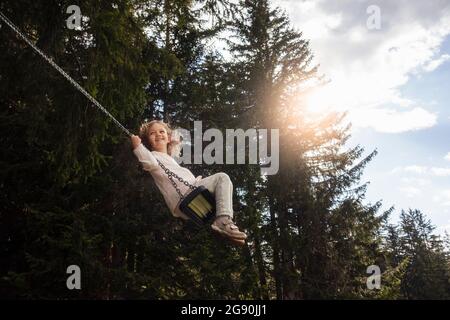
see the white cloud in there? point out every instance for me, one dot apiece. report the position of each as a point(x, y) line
point(441, 172)
point(443, 197)
point(410, 192)
point(393, 121)
point(423, 170)
point(367, 68)
point(434, 64)
point(322, 24)
point(416, 169)
point(447, 156)
point(416, 181)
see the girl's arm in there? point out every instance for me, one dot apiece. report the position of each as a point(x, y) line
point(144, 156)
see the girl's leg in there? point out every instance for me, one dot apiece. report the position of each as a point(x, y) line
point(221, 186)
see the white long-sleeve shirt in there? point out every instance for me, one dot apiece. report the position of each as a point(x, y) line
point(149, 163)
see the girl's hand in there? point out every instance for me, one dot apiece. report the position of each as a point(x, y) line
point(135, 141)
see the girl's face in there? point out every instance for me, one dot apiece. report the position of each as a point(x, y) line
point(158, 137)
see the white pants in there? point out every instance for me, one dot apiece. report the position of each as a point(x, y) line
point(221, 187)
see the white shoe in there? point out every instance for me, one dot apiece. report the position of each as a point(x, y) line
point(224, 226)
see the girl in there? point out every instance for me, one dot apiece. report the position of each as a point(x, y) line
point(154, 143)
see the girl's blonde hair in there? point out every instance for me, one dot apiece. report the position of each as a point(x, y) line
point(173, 147)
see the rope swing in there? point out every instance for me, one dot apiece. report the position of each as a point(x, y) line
point(62, 72)
point(199, 204)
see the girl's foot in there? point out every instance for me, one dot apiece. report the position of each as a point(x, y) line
point(224, 226)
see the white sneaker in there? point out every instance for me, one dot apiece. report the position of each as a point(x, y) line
point(225, 227)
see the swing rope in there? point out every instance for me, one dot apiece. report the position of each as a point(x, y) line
point(62, 72)
point(190, 198)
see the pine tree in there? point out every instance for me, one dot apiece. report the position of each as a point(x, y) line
point(315, 215)
point(57, 145)
point(427, 273)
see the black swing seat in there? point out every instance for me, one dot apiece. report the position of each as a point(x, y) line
point(199, 205)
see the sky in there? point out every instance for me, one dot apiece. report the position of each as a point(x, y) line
point(392, 76)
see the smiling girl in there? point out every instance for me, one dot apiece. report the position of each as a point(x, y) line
point(154, 143)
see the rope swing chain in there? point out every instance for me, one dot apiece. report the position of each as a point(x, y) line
point(169, 173)
point(62, 72)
